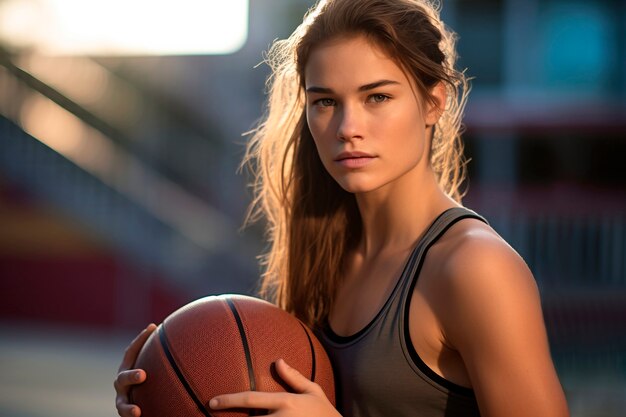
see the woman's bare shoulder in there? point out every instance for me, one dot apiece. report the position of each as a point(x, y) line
point(472, 247)
point(481, 274)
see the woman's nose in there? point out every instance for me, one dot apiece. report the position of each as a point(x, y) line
point(350, 124)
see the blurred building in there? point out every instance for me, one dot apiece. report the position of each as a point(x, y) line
point(120, 198)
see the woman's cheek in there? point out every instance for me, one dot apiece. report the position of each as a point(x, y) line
point(322, 142)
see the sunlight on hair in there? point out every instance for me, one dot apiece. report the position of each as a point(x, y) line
point(119, 27)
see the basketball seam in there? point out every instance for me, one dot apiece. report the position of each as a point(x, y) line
point(244, 340)
point(312, 352)
point(179, 373)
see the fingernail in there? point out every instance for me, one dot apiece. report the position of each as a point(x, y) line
point(137, 376)
point(214, 403)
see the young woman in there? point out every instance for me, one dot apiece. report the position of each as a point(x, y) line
point(423, 309)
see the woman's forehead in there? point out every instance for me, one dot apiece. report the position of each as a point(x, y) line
point(354, 60)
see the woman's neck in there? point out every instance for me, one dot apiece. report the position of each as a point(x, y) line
point(396, 215)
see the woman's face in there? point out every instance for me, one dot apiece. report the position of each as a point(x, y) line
point(366, 117)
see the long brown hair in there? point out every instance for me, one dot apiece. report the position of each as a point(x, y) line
point(311, 221)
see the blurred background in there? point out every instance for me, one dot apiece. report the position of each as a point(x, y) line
point(120, 198)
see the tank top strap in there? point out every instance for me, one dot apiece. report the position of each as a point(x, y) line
point(439, 226)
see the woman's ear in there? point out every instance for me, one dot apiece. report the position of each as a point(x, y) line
point(435, 109)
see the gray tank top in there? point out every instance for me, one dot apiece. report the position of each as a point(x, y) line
point(378, 372)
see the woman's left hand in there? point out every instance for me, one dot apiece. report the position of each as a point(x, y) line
point(309, 399)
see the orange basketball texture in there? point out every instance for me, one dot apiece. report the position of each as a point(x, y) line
point(220, 345)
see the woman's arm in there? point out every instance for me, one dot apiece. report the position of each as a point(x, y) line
point(493, 318)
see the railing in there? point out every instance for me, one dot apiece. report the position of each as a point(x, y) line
point(569, 251)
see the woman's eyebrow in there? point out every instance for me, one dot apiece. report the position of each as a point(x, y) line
point(377, 84)
point(321, 90)
point(366, 87)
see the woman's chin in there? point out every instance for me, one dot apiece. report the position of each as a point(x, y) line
point(357, 187)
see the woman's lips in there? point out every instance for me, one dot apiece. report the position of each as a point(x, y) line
point(354, 159)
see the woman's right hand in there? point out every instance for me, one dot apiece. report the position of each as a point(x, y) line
point(128, 377)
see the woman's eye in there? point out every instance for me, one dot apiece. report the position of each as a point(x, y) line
point(378, 98)
point(324, 102)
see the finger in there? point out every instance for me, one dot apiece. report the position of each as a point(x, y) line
point(126, 410)
point(128, 378)
point(135, 346)
point(298, 382)
point(249, 399)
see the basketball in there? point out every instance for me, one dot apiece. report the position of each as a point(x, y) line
point(221, 345)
